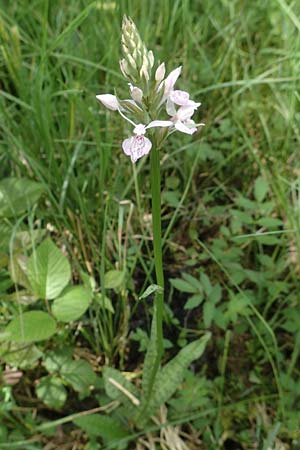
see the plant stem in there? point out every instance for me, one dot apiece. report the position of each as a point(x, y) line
point(157, 246)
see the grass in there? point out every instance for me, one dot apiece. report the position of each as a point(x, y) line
point(241, 60)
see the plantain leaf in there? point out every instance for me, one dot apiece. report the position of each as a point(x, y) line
point(128, 394)
point(150, 358)
point(170, 377)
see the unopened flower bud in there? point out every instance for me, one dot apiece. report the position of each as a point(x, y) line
point(124, 68)
point(151, 58)
point(160, 72)
point(136, 93)
point(108, 100)
point(144, 72)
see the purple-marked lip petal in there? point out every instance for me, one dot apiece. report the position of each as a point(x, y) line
point(136, 147)
point(180, 98)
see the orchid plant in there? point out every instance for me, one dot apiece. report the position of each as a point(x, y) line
point(158, 109)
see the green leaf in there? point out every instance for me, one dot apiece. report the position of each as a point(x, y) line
point(20, 356)
point(18, 195)
point(112, 378)
point(150, 290)
point(72, 304)
point(260, 189)
point(32, 326)
point(99, 425)
point(55, 360)
point(52, 392)
point(205, 282)
point(192, 281)
point(48, 270)
point(270, 222)
point(194, 301)
point(170, 377)
point(208, 313)
point(150, 358)
point(183, 286)
point(104, 302)
point(17, 270)
point(215, 294)
point(79, 374)
point(113, 279)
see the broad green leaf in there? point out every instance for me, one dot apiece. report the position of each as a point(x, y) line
point(55, 360)
point(72, 304)
point(17, 195)
point(170, 377)
point(183, 286)
point(113, 279)
point(52, 392)
point(48, 270)
point(127, 393)
point(106, 427)
point(79, 374)
point(260, 189)
point(20, 356)
point(17, 270)
point(32, 326)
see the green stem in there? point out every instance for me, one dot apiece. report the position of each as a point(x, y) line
point(157, 246)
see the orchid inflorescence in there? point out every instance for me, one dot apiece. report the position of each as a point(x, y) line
point(150, 97)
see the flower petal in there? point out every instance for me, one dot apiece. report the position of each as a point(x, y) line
point(185, 112)
point(170, 107)
point(109, 100)
point(180, 98)
point(180, 126)
point(126, 145)
point(159, 123)
point(140, 129)
point(136, 147)
point(171, 80)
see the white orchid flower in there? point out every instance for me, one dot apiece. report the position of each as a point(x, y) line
point(182, 119)
point(139, 145)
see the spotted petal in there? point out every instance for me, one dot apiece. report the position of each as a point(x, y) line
point(136, 147)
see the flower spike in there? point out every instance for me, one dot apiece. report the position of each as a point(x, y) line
point(151, 95)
